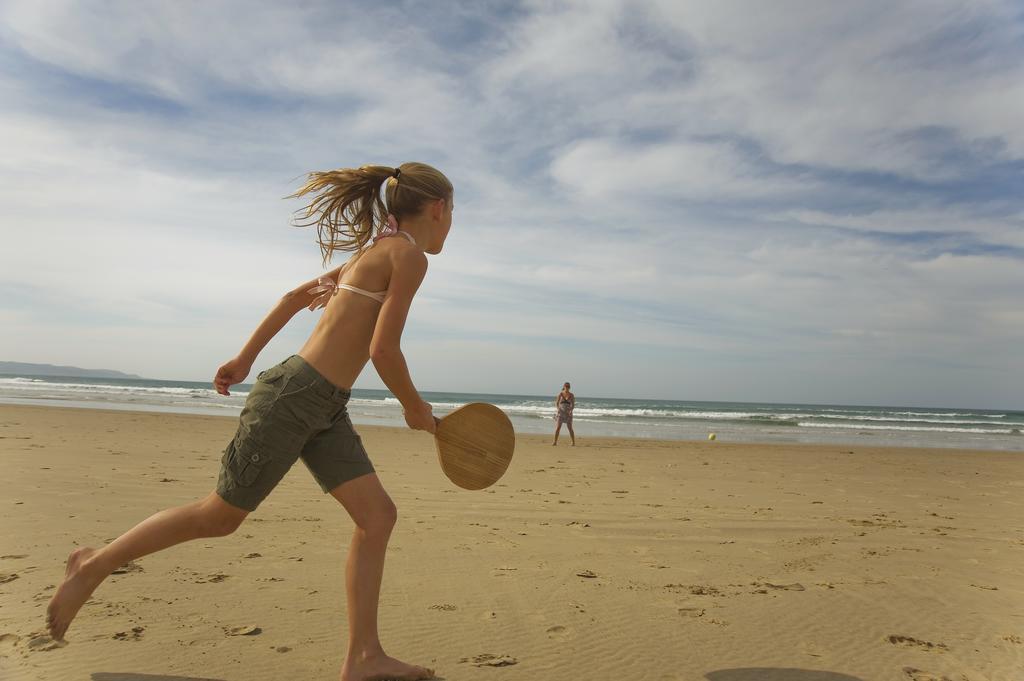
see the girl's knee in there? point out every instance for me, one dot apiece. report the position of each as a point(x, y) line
point(382, 519)
point(221, 526)
point(387, 514)
point(217, 518)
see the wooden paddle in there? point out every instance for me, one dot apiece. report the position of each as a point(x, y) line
point(475, 444)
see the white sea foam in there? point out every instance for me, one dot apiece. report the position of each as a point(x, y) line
point(946, 413)
point(838, 410)
point(915, 420)
point(114, 389)
point(918, 429)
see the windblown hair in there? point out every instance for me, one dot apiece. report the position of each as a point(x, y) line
point(347, 207)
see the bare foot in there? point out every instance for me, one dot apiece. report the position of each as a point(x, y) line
point(382, 668)
point(74, 591)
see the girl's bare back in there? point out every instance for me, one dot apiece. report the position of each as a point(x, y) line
point(339, 346)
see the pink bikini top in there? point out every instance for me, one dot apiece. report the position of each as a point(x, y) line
point(327, 288)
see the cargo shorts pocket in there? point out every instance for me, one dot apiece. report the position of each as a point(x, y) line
point(284, 382)
point(271, 375)
point(293, 385)
point(244, 459)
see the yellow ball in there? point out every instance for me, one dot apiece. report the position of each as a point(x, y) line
point(711, 436)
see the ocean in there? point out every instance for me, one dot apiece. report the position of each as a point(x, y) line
point(599, 416)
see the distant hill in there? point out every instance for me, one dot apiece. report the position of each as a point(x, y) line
point(26, 369)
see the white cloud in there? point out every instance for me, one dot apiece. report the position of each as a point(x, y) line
point(844, 88)
point(678, 169)
point(1008, 230)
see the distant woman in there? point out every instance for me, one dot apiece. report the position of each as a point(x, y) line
point(565, 402)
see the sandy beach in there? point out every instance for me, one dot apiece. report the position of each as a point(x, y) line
point(616, 559)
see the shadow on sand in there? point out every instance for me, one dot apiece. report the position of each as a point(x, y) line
point(129, 676)
point(776, 674)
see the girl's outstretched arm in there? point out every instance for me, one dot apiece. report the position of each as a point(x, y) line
point(236, 369)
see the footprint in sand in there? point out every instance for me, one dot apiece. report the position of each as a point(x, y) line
point(134, 635)
point(489, 660)
point(213, 579)
point(14, 556)
point(447, 607)
point(558, 631)
point(45, 594)
point(130, 566)
point(696, 589)
point(918, 675)
point(691, 612)
point(911, 642)
point(7, 642)
point(8, 577)
point(40, 642)
point(248, 630)
point(796, 586)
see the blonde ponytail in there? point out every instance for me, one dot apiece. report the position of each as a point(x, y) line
point(347, 208)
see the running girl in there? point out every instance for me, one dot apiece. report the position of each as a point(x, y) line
point(296, 410)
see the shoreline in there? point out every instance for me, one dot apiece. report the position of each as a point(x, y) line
point(151, 409)
point(616, 558)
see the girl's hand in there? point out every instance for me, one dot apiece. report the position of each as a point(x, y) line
point(421, 417)
point(231, 372)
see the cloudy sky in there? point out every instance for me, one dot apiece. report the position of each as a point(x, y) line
point(786, 201)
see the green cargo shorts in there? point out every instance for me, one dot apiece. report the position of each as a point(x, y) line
point(292, 412)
